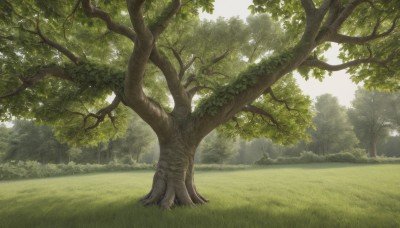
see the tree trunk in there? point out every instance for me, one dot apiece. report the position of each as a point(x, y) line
point(372, 148)
point(173, 181)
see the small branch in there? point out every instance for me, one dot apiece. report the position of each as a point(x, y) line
point(42, 73)
point(101, 114)
point(187, 66)
point(270, 92)
point(205, 69)
point(173, 81)
point(76, 6)
point(339, 38)
point(92, 11)
point(182, 67)
point(57, 46)
point(196, 89)
point(219, 58)
point(325, 66)
point(262, 112)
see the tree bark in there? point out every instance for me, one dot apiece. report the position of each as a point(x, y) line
point(372, 148)
point(173, 181)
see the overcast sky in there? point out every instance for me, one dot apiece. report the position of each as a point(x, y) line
point(338, 84)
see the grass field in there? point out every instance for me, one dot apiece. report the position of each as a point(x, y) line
point(317, 195)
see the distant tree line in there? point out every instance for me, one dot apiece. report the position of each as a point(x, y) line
point(371, 124)
point(29, 141)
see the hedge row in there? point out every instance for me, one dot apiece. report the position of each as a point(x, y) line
point(34, 169)
point(352, 156)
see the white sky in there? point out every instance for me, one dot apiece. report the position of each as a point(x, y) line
point(338, 84)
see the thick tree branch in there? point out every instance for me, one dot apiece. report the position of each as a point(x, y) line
point(339, 38)
point(309, 7)
point(135, 8)
point(39, 75)
point(69, 54)
point(345, 13)
point(57, 46)
point(92, 11)
point(181, 98)
point(163, 20)
point(196, 89)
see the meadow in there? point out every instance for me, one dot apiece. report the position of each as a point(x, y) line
point(312, 195)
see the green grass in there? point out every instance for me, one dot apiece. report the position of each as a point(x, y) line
point(316, 195)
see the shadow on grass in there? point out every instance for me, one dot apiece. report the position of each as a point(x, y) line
point(70, 212)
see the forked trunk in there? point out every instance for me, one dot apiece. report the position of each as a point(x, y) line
point(173, 181)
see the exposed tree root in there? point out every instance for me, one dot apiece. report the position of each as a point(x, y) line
point(167, 193)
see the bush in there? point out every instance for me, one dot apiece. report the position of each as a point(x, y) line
point(310, 157)
point(34, 169)
point(288, 160)
point(356, 152)
point(264, 160)
point(341, 157)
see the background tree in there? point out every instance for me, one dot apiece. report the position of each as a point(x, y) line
point(390, 147)
point(31, 142)
point(333, 132)
point(71, 56)
point(216, 148)
point(73, 153)
point(4, 140)
point(372, 118)
point(138, 139)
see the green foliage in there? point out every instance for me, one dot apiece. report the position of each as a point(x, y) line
point(390, 147)
point(34, 169)
point(333, 131)
point(138, 139)
point(373, 116)
point(358, 153)
point(265, 160)
point(310, 157)
point(341, 157)
point(350, 156)
point(217, 149)
point(245, 80)
point(30, 142)
point(290, 124)
point(374, 76)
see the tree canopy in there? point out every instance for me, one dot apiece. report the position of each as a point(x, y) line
point(333, 131)
point(374, 115)
point(88, 62)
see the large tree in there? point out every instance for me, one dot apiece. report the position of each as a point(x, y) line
point(30, 142)
point(216, 148)
point(64, 58)
point(333, 131)
point(374, 115)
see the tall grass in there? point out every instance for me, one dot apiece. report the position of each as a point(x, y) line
point(319, 195)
